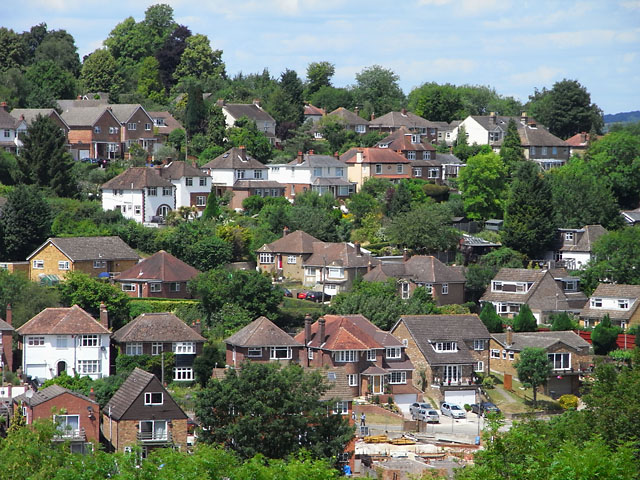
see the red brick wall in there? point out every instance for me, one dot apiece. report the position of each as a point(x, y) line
point(73, 406)
point(7, 351)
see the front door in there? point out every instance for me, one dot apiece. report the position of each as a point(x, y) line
point(62, 367)
point(378, 384)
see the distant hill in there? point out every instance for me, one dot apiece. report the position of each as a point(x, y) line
point(623, 117)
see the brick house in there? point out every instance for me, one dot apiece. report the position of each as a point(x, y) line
point(143, 413)
point(77, 416)
point(619, 301)
point(9, 140)
point(448, 350)
point(569, 354)
point(285, 256)
point(375, 361)
point(262, 341)
point(136, 126)
point(160, 275)
point(6, 340)
point(445, 284)
point(163, 124)
point(265, 123)
point(94, 132)
point(410, 144)
point(513, 287)
point(393, 121)
point(95, 256)
point(351, 120)
point(365, 163)
point(155, 333)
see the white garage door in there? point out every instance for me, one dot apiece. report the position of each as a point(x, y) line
point(460, 397)
point(404, 401)
point(84, 154)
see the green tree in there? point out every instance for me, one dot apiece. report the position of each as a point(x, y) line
point(169, 54)
point(27, 298)
point(561, 321)
point(245, 133)
point(25, 222)
point(47, 82)
point(524, 321)
point(511, 151)
point(533, 369)
point(271, 410)
point(89, 293)
point(12, 51)
point(319, 75)
point(59, 47)
point(8, 169)
point(212, 210)
point(216, 126)
point(360, 205)
point(159, 24)
point(149, 82)
point(196, 111)
point(483, 185)
point(528, 222)
point(197, 244)
point(490, 318)
point(249, 289)
point(44, 159)
point(398, 200)
point(330, 98)
point(211, 357)
point(438, 103)
point(425, 229)
point(604, 336)
point(99, 72)
point(129, 42)
point(199, 61)
point(377, 89)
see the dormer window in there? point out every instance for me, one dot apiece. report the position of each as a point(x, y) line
point(415, 138)
point(153, 398)
point(596, 302)
point(568, 236)
point(623, 304)
point(445, 346)
point(496, 286)
point(393, 352)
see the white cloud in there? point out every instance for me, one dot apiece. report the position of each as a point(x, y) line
point(540, 75)
point(631, 4)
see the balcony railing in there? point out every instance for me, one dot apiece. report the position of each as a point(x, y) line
point(154, 437)
point(70, 434)
point(437, 383)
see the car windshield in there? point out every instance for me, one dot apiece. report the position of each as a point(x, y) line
point(455, 407)
point(433, 412)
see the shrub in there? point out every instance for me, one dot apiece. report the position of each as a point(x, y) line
point(488, 382)
point(568, 402)
point(467, 407)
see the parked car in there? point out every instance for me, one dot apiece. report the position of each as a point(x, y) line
point(483, 407)
point(302, 295)
point(316, 296)
point(452, 410)
point(285, 291)
point(429, 416)
point(417, 406)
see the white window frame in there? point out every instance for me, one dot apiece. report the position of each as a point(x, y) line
point(346, 356)
point(310, 353)
point(495, 353)
point(562, 355)
point(273, 353)
point(90, 341)
point(129, 287)
point(152, 191)
point(188, 181)
point(341, 408)
point(393, 352)
point(433, 173)
point(445, 347)
point(133, 348)
point(155, 287)
point(132, 126)
point(399, 169)
point(254, 352)
point(504, 354)
point(512, 355)
point(411, 155)
point(405, 290)
point(268, 258)
point(378, 168)
point(167, 191)
point(147, 126)
point(63, 265)
point(174, 287)
point(478, 344)
point(292, 259)
point(201, 201)
point(371, 355)
point(38, 264)
point(89, 367)
point(157, 348)
point(97, 129)
point(151, 398)
point(479, 366)
point(183, 374)
point(398, 377)
point(596, 302)
point(623, 304)
point(352, 378)
point(361, 128)
point(445, 289)
point(181, 348)
point(62, 341)
point(99, 264)
point(417, 171)
point(35, 341)
point(335, 272)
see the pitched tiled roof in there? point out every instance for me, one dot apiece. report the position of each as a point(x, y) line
point(249, 110)
point(157, 327)
point(348, 116)
point(46, 394)
point(448, 159)
point(62, 321)
point(124, 111)
point(524, 275)
point(234, 158)
point(428, 329)
point(170, 123)
point(610, 290)
point(136, 178)
point(92, 248)
point(161, 266)
point(339, 254)
point(313, 160)
point(541, 340)
point(5, 326)
point(419, 268)
point(262, 332)
point(401, 119)
point(176, 170)
point(68, 104)
point(84, 116)
point(6, 120)
point(401, 140)
point(586, 240)
point(579, 140)
point(313, 110)
point(30, 114)
point(258, 184)
point(131, 389)
point(373, 155)
point(539, 136)
point(298, 242)
point(338, 381)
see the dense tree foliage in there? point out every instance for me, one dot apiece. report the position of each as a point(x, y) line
point(378, 91)
point(533, 369)
point(483, 185)
point(524, 321)
point(604, 336)
point(490, 318)
point(511, 151)
point(27, 298)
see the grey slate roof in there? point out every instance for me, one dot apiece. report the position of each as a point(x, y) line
point(401, 119)
point(348, 117)
point(157, 327)
point(258, 184)
point(131, 389)
point(5, 326)
point(530, 135)
point(46, 394)
point(30, 114)
point(124, 111)
point(249, 110)
point(82, 103)
point(401, 140)
point(298, 242)
point(313, 160)
point(448, 158)
point(587, 237)
point(6, 120)
point(428, 329)
point(339, 254)
point(85, 116)
point(262, 332)
point(177, 170)
point(92, 248)
point(235, 158)
point(609, 290)
point(137, 178)
point(419, 269)
point(541, 340)
point(336, 378)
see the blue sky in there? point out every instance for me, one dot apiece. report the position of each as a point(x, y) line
point(512, 45)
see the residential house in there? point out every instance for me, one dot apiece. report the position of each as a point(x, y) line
point(262, 341)
point(143, 413)
point(285, 257)
point(313, 113)
point(156, 333)
point(351, 120)
point(163, 124)
point(445, 131)
point(472, 247)
point(449, 165)
point(410, 144)
point(253, 111)
point(192, 185)
point(6, 340)
point(140, 194)
point(538, 143)
point(445, 284)
point(570, 285)
point(618, 301)
point(96, 256)
point(573, 246)
point(99, 99)
point(365, 163)
point(94, 132)
point(579, 143)
point(65, 340)
point(160, 275)
point(136, 127)
point(317, 173)
point(569, 354)
point(451, 350)
point(631, 217)
point(26, 116)
point(76, 416)
point(332, 267)
point(9, 140)
point(374, 361)
point(393, 121)
point(513, 287)
point(241, 174)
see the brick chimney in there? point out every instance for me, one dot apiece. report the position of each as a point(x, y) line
point(321, 333)
point(243, 152)
point(285, 232)
point(405, 255)
point(3, 106)
point(307, 329)
point(492, 118)
point(336, 154)
point(197, 327)
point(256, 102)
point(310, 152)
point(92, 395)
point(299, 157)
point(358, 249)
point(9, 314)
point(356, 110)
point(369, 267)
point(221, 102)
point(524, 118)
point(509, 336)
point(373, 116)
point(404, 112)
point(104, 316)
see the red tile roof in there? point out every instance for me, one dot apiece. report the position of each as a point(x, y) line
point(62, 321)
point(161, 266)
point(373, 155)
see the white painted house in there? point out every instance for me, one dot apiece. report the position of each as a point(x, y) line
point(573, 246)
point(192, 185)
point(65, 340)
point(140, 194)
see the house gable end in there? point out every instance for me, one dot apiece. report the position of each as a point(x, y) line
point(169, 410)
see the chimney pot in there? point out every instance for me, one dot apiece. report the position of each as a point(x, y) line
point(9, 314)
point(92, 395)
point(104, 316)
point(299, 157)
point(369, 267)
point(285, 232)
point(358, 250)
point(307, 329)
point(404, 111)
point(321, 325)
point(405, 255)
point(509, 336)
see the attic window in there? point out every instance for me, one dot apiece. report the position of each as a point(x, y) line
point(393, 352)
point(153, 398)
point(445, 346)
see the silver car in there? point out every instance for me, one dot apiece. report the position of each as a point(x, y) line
point(452, 410)
point(416, 407)
point(429, 416)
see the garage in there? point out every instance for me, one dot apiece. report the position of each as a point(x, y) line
point(404, 401)
point(460, 397)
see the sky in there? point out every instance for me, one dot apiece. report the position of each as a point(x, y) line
point(514, 46)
